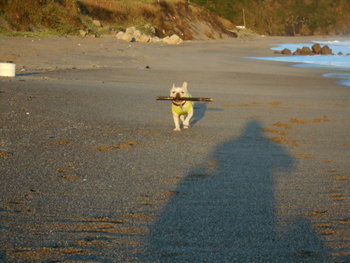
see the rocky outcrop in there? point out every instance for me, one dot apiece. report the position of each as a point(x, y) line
point(316, 49)
point(304, 51)
point(132, 34)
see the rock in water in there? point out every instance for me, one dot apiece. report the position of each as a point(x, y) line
point(316, 48)
point(286, 51)
point(326, 50)
point(305, 51)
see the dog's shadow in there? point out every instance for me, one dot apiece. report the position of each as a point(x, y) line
point(200, 109)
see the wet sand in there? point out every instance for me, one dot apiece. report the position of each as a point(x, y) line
point(91, 170)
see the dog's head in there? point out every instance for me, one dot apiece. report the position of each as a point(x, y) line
point(179, 92)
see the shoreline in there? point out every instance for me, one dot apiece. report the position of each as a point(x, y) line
point(338, 62)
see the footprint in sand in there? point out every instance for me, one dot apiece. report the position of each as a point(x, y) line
point(337, 196)
point(342, 178)
point(327, 160)
point(282, 125)
point(22, 204)
point(254, 117)
point(325, 229)
point(116, 147)
point(61, 142)
point(268, 130)
point(284, 140)
point(67, 174)
point(297, 121)
point(5, 155)
point(275, 103)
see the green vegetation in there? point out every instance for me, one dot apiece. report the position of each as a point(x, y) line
point(286, 17)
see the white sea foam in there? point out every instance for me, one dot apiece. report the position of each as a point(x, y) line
point(337, 62)
point(317, 61)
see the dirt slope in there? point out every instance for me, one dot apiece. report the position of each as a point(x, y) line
point(191, 22)
point(67, 17)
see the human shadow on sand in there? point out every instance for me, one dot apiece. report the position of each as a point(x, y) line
point(226, 211)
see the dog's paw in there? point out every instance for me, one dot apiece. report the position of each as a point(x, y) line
point(177, 129)
point(186, 126)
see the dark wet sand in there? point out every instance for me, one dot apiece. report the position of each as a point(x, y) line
point(91, 170)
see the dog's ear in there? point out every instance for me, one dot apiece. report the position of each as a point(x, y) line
point(184, 85)
point(173, 85)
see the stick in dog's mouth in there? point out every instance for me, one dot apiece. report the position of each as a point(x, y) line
point(177, 97)
point(185, 99)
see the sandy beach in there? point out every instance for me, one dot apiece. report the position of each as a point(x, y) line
point(92, 171)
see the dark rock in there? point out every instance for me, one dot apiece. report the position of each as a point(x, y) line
point(326, 50)
point(305, 51)
point(297, 52)
point(340, 54)
point(286, 51)
point(316, 48)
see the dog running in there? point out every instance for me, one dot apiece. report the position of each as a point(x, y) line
point(181, 109)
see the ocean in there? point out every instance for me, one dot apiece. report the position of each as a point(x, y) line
point(340, 61)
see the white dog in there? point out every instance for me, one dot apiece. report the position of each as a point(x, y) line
point(182, 109)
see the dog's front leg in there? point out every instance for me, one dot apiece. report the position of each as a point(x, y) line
point(182, 118)
point(176, 121)
point(188, 119)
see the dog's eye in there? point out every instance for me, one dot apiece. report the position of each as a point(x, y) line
point(182, 92)
point(173, 92)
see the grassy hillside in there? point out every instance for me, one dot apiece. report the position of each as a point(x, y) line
point(286, 17)
point(166, 17)
point(269, 17)
point(45, 16)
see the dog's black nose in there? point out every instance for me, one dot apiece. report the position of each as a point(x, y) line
point(177, 96)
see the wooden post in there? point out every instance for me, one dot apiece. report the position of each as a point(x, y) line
point(244, 19)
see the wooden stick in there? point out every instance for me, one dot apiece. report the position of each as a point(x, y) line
point(185, 98)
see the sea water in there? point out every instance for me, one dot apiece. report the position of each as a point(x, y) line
point(340, 61)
